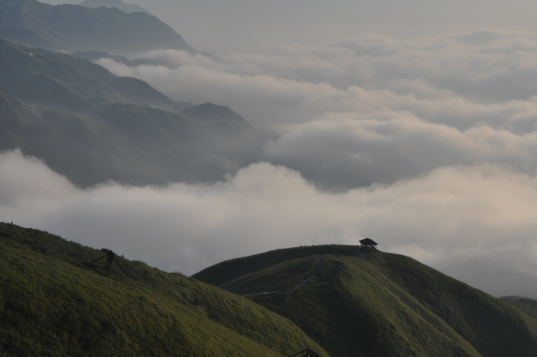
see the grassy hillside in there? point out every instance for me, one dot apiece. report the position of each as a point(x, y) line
point(52, 304)
point(378, 304)
point(528, 306)
point(74, 27)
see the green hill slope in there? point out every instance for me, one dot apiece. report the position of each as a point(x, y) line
point(74, 27)
point(528, 306)
point(378, 304)
point(52, 304)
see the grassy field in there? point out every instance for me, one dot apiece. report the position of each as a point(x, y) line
point(52, 304)
point(378, 304)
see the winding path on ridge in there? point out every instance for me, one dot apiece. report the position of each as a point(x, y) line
point(307, 279)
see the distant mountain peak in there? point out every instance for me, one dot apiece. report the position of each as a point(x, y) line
point(84, 28)
point(128, 8)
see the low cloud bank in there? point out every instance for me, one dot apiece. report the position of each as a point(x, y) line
point(475, 223)
point(345, 151)
point(485, 77)
point(371, 109)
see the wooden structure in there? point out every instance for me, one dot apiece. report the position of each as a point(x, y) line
point(368, 244)
point(109, 258)
point(305, 353)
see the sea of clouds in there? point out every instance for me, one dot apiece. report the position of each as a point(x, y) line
point(426, 145)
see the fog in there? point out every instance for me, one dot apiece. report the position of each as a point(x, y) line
point(477, 224)
point(412, 123)
point(371, 109)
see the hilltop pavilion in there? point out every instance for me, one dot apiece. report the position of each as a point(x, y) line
point(368, 244)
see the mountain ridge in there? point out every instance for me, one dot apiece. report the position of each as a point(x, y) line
point(126, 130)
point(128, 8)
point(74, 27)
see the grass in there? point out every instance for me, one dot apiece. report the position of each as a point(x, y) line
point(52, 304)
point(277, 278)
point(378, 304)
point(528, 306)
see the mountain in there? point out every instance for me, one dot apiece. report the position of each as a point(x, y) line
point(55, 79)
point(92, 126)
point(123, 142)
point(128, 8)
point(26, 37)
point(54, 303)
point(526, 305)
point(95, 55)
point(216, 115)
point(73, 27)
point(377, 304)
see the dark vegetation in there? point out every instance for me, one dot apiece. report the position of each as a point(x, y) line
point(526, 305)
point(74, 27)
point(53, 304)
point(373, 304)
point(378, 304)
point(92, 126)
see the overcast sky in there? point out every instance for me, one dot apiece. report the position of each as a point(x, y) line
point(412, 123)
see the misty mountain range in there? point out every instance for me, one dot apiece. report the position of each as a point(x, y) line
point(93, 126)
point(73, 27)
point(128, 8)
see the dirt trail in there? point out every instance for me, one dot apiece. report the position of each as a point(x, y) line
point(308, 279)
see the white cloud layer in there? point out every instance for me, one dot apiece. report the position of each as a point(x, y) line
point(481, 78)
point(475, 223)
point(371, 109)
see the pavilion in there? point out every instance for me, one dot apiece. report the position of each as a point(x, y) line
point(368, 244)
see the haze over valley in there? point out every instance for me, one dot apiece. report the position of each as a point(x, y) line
point(187, 151)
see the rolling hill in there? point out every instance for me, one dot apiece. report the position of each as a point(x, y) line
point(73, 27)
point(57, 300)
point(55, 304)
point(377, 304)
point(526, 305)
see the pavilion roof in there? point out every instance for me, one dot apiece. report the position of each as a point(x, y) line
point(367, 241)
